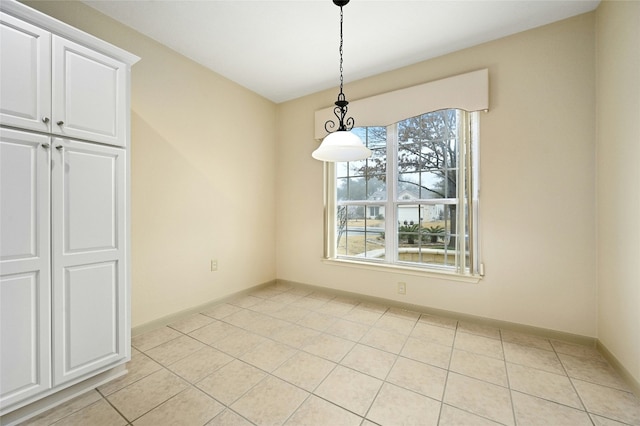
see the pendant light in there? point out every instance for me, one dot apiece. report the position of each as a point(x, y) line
point(341, 144)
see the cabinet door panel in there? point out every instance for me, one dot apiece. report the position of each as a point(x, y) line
point(24, 188)
point(25, 294)
point(90, 201)
point(90, 316)
point(88, 216)
point(24, 337)
point(88, 93)
point(25, 75)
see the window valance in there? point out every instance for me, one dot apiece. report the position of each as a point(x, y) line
point(469, 92)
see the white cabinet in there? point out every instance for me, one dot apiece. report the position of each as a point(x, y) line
point(87, 90)
point(62, 261)
point(52, 84)
point(88, 241)
point(64, 211)
point(25, 75)
point(25, 291)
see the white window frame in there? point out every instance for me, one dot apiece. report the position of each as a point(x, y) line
point(467, 92)
point(468, 163)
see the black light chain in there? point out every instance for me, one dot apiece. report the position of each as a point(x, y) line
point(341, 41)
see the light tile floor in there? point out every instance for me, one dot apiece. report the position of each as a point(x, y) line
point(285, 355)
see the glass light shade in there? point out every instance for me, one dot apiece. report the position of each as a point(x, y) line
point(341, 145)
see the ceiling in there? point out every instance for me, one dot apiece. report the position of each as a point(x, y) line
point(289, 48)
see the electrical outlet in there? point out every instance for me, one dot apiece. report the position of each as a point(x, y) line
point(214, 265)
point(402, 288)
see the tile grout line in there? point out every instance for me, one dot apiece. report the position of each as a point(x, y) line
point(113, 406)
point(397, 356)
point(564, 368)
point(448, 370)
point(506, 369)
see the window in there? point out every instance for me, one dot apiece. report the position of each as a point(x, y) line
point(413, 203)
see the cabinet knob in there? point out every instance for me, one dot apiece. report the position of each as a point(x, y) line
point(45, 120)
point(45, 145)
point(60, 123)
point(59, 147)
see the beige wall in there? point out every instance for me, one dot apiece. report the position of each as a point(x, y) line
point(618, 179)
point(537, 176)
point(203, 175)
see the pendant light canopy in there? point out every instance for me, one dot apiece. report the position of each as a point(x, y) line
point(341, 144)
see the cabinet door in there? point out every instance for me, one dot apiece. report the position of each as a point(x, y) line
point(25, 75)
point(25, 295)
point(89, 94)
point(88, 241)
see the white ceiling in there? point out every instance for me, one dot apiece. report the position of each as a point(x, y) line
point(287, 49)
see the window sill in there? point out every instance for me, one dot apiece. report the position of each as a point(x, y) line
point(383, 267)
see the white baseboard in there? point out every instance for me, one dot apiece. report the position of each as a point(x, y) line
point(542, 332)
point(621, 369)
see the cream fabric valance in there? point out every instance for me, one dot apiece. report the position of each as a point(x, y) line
point(469, 92)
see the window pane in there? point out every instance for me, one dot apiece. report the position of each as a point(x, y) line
point(342, 189)
point(376, 137)
point(426, 186)
point(341, 229)
point(374, 234)
point(358, 168)
point(433, 155)
point(427, 170)
point(364, 179)
point(426, 145)
point(349, 220)
point(408, 214)
point(408, 186)
point(360, 231)
point(450, 184)
point(451, 155)
point(450, 219)
point(432, 185)
point(425, 234)
point(433, 215)
point(377, 188)
point(351, 188)
point(409, 234)
point(409, 158)
point(377, 163)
